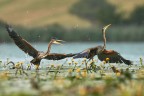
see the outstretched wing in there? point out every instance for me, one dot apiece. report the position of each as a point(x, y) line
point(83, 54)
point(21, 43)
point(88, 53)
point(114, 57)
point(56, 56)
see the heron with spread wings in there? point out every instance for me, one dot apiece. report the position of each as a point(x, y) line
point(102, 53)
point(30, 50)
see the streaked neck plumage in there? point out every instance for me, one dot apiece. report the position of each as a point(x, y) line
point(104, 39)
point(49, 47)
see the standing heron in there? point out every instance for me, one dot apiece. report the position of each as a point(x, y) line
point(102, 53)
point(30, 50)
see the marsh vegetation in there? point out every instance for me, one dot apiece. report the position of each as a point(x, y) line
point(71, 78)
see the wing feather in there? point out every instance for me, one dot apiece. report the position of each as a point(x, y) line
point(88, 53)
point(57, 56)
point(83, 54)
point(21, 43)
point(114, 57)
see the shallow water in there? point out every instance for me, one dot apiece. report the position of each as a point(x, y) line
point(132, 51)
point(12, 83)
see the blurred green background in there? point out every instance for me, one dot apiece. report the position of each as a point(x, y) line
point(73, 20)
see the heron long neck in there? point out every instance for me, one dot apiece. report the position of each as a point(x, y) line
point(104, 39)
point(49, 48)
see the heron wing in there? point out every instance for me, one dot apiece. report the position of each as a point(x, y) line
point(21, 43)
point(83, 54)
point(57, 56)
point(114, 57)
point(88, 53)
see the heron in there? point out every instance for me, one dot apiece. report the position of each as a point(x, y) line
point(103, 53)
point(31, 51)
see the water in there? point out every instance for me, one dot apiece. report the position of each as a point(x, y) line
point(132, 51)
point(22, 83)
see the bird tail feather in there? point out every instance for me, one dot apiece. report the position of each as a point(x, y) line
point(128, 62)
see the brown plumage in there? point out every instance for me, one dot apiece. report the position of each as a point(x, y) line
point(88, 53)
point(102, 53)
point(114, 56)
point(37, 55)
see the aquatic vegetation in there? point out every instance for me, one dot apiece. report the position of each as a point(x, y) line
point(29, 67)
point(71, 78)
point(141, 62)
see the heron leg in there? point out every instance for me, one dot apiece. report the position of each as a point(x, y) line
point(90, 64)
point(37, 66)
point(87, 66)
point(86, 62)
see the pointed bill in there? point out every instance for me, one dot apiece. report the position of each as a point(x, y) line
point(104, 28)
point(58, 42)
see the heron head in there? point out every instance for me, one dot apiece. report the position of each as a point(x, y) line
point(56, 41)
point(104, 28)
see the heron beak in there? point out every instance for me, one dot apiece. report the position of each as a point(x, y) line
point(58, 42)
point(106, 26)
